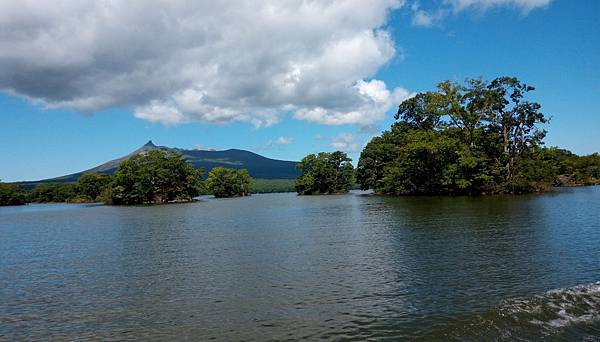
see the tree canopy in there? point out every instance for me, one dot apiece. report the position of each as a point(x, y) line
point(325, 173)
point(91, 185)
point(12, 194)
point(158, 176)
point(471, 138)
point(53, 192)
point(229, 182)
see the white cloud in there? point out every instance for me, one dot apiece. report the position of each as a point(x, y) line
point(422, 18)
point(345, 142)
point(426, 18)
point(375, 101)
point(432, 17)
point(524, 5)
point(158, 112)
point(284, 141)
point(173, 62)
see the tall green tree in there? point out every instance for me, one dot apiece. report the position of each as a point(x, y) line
point(516, 119)
point(325, 173)
point(229, 182)
point(91, 185)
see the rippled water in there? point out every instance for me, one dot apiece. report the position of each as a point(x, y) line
point(279, 266)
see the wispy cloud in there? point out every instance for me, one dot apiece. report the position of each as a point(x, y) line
point(524, 6)
point(435, 15)
point(345, 142)
point(281, 141)
point(427, 18)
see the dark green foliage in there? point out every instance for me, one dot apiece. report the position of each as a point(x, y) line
point(586, 169)
point(12, 194)
point(470, 138)
point(567, 168)
point(228, 182)
point(273, 185)
point(47, 193)
point(325, 173)
point(158, 176)
point(91, 185)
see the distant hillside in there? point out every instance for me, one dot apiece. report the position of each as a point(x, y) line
point(257, 165)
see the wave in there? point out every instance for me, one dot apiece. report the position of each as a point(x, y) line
point(570, 314)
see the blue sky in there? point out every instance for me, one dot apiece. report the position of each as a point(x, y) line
point(348, 73)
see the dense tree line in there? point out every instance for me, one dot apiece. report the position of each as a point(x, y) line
point(272, 185)
point(54, 192)
point(565, 168)
point(325, 173)
point(12, 194)
point(472, 138)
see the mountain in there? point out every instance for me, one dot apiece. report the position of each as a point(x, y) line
point(257, 165)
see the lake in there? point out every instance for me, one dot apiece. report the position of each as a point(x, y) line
point(280, 266)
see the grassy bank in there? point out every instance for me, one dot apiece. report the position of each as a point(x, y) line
point(273, 185)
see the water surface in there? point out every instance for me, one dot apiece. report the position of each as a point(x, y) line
point(280, 266)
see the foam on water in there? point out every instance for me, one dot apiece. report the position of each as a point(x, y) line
point(560, 314)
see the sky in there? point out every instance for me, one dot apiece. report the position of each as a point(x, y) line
point(84, 82)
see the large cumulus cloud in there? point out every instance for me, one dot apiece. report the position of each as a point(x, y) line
point(212, 61)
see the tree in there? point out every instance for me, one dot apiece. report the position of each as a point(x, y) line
point(229, 182)
point(515, 118)
point(91, 185)
point(325, 173)
point(158, 176)
point(379, 153)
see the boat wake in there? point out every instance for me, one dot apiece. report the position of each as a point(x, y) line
point(564, 314)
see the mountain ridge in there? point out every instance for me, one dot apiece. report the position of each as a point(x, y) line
point(257, 165)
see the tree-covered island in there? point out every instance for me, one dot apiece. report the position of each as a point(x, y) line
point(325, 173)
point(228, 182)
point(467, 139)
point(159, 176)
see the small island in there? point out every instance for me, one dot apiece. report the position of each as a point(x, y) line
point(157, 177)
point(227, 182)
point(470, 139)
point(325, 173)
